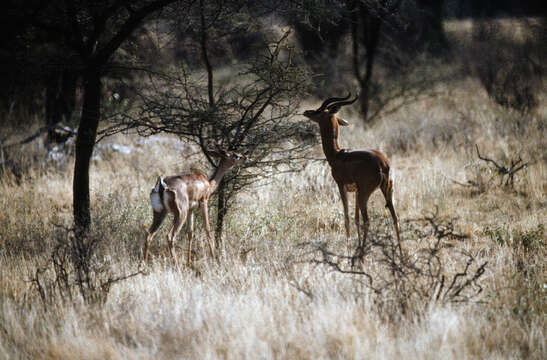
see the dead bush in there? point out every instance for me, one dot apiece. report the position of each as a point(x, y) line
point(76, 270)
point(435, 271)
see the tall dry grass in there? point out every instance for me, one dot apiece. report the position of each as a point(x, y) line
point(263, 300)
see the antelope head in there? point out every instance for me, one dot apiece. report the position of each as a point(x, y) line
point(327, 110)
point(229, 157)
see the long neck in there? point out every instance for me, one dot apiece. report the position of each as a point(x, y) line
point(329, 139)
point(215, 179)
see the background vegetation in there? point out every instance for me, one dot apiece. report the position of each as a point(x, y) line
point(454, 95)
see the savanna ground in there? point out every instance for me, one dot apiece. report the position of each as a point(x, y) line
point(264, 298)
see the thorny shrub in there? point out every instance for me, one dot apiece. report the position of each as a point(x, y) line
point(81, 268)
point(434, 271)
point(74, 272)
point(484, 174)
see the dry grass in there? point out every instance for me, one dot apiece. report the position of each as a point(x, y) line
point(269, 304)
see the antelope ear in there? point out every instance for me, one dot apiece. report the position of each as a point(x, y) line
point(342, 122)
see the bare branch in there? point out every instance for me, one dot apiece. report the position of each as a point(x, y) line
point(421, 277)
point(515, 166)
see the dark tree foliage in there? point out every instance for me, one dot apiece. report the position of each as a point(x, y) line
point(420, 27)
point(28, 63)
point(233, 36)
point(375, 27)
point(321, 28)
point(82, 37)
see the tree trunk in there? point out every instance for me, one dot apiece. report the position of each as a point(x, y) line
point(368, 38)
point(85, 141)
point(221, 213)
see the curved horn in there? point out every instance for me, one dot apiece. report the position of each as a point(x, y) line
point(332, 99)
point(333, 108)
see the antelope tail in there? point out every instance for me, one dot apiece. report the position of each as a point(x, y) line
point(386, 185)
point(156, 195)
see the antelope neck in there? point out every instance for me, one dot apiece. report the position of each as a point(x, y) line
point(215, 179)
point(329, 139)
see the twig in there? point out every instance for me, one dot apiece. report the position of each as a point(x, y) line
point(510, 170)
point(40, 132)
point(470, 183)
